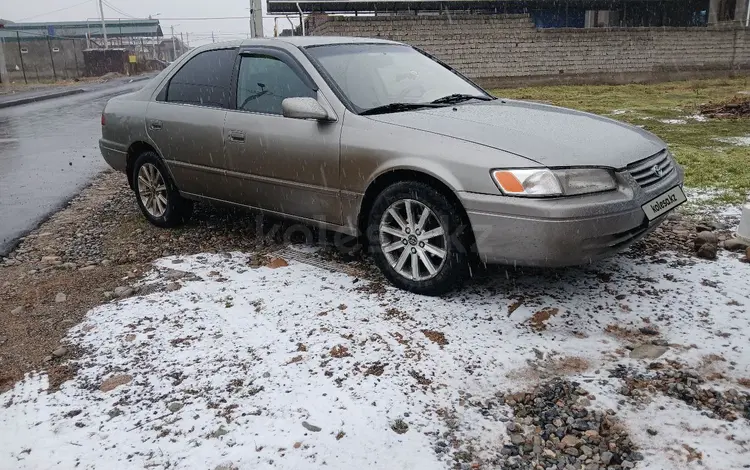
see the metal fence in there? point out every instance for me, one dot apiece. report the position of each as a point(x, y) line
point(31, 57)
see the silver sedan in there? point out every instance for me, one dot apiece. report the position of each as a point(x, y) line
point(377, 139)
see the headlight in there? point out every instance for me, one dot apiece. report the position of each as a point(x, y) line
point(542, 182)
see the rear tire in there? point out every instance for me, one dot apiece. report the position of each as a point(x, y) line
point(156, 194)
point(419, 238)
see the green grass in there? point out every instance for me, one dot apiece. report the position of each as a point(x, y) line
point(708, 163)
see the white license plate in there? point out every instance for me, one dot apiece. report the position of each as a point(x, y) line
point(664, 203)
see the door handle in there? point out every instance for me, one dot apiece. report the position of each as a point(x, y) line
point(156, 125)
point(237, 136)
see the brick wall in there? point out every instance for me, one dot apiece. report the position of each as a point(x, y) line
point(508, 50)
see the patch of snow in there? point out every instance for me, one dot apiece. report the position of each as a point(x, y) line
point(618, 112)
point(700, 202)
point(698, 117)
point(743, 141)
point(673, 121)
point(246, 355)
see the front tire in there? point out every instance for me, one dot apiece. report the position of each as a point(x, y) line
point(157, 196)
point(418, 238)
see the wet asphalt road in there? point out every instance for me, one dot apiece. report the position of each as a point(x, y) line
point(48, 152)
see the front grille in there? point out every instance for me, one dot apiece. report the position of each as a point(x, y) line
point(651, 170)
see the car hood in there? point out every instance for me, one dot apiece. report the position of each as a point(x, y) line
point(549, 135)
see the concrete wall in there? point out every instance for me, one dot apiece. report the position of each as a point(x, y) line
point(68, 60)
point(508, 50)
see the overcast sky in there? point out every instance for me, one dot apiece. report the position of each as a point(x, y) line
point(200, 31)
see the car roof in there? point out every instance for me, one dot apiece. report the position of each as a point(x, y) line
point(304, 41)
point(298, 41)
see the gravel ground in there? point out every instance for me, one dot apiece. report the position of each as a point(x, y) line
point(81, 255)
point(100, 249)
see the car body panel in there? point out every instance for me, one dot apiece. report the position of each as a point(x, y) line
point(371, 148)
point(564, 230)
point(125, 116)
point(548, 135)
point(190, 139)
point(284, 165)
point(319, 171)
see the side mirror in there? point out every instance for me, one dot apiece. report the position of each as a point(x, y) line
point(303, 108)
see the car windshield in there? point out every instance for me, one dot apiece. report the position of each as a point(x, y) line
point(374, 75)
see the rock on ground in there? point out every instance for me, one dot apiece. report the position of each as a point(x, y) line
point(648, 351)
point(707, 250)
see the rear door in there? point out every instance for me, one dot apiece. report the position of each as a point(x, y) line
point(276, 163)
point(186, 121)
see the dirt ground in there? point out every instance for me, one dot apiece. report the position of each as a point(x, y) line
point(81, 256)
point(78, 258)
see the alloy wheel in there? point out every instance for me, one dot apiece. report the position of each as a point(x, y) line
point(152, 190)
point(413, 240)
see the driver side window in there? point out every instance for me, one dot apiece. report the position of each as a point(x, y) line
point(264, 82)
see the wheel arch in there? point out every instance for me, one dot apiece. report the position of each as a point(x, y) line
point(387, 178)
point(134, 151)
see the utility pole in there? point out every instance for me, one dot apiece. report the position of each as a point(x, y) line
point(182, 44)
point(187, 40)
point(257, 18)
point(51, 58)
point(20, 54)
point(4, 79)
point(104, 26)
point(212, 37)
point(252, 23)
point(174, 45)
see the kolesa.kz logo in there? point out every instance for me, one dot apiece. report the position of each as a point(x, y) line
point(664, 203)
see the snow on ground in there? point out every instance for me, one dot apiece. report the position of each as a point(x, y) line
point(301, 367)
point(743, 141)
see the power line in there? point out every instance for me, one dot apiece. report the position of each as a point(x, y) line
point(202, 19)
point(54, 11)
point(117, 10)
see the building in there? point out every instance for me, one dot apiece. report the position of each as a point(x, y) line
point(55, 50)
point(545, 13)
point(169, 49)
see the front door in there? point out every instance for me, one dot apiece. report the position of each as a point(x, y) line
point(186, 121)
point(275, 163)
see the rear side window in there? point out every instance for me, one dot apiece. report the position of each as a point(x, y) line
point(204, 80)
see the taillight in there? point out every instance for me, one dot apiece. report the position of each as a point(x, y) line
point(104, 119)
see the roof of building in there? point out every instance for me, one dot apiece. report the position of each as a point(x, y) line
point(343, 6)
point(79, 29)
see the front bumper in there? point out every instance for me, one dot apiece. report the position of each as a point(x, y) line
point(565, 231)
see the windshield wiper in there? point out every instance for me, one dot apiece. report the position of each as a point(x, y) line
point(397, 107)
point(459, 97)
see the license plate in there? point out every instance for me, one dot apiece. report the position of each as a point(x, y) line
point(660, 205)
